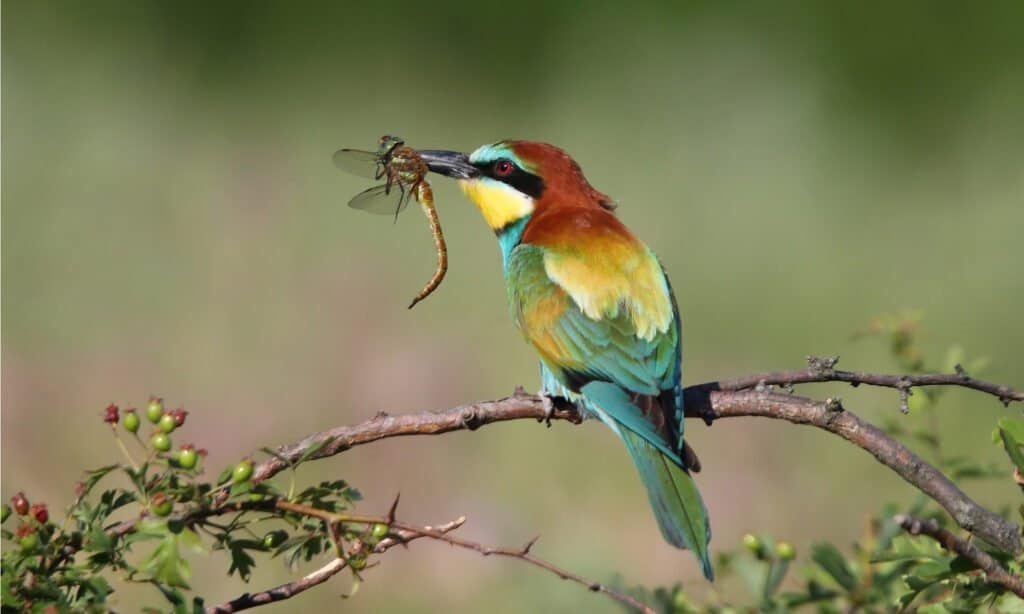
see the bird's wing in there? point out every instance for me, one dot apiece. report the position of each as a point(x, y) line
point(611, 329)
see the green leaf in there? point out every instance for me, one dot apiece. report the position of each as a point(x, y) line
point(138, 478)
point(225, 476)
point(1014, 427)
point(905, 599)
point(828, 557)
point(275, 454)
point(314, 449)
point(189, 540)
point(936, 569)
point(241, 561)
point(98, 586)
point(917, 583)
point(98, 541)
point(93, 476)
point(1012, 433)
point(165, 564)
point(815, 593)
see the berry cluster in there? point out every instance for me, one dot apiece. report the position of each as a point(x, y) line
point(163, 480)
point(34, 518)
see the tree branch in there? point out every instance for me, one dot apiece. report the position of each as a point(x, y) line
point(822, 370)
point(984, 561)
point(710, 401)
point(745, 396)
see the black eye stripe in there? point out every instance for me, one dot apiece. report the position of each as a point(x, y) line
point(527, 183)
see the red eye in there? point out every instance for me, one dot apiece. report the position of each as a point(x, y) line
point(503, 168)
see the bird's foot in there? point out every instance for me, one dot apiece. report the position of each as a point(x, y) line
point(548, 402)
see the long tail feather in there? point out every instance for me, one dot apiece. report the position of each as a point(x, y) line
point(677, 504)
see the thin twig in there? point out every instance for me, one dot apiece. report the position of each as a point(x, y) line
point(820, 370)
point(290, 589)
point(402, 533)
point(523, 554)
point(971, 552)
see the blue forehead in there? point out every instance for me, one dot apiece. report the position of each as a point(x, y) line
point(486, 154)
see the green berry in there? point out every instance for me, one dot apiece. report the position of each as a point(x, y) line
point(155, 409)
point(785, 551)
point(167, 424)
point(160, 504)
point(754, 544)
point(187, 457)
point(242, 472)
point(29, 541)
point(160, 442)
point(130, 421)
point(379, 531)
point(357, 563)
point(274, 539)
point(6, 512)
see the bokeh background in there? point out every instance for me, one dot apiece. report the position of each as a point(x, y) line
point(172, 224)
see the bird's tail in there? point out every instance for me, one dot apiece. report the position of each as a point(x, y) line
point(677, 504)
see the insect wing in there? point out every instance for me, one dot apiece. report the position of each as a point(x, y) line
point(381, 201)
point(358, 162)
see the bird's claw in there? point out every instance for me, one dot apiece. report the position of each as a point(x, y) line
point(548, 403)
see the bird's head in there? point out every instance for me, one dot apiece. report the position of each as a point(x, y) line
point(510, 180)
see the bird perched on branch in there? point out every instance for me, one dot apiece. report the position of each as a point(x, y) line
point(595, 303)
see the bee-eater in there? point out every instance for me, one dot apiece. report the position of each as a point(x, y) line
point(595, 303)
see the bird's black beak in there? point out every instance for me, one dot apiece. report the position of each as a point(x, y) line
point(449, 163)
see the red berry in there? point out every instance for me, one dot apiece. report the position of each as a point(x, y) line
point(20, 503)
point(38, 510)
point(110, 415)
point(179, 416)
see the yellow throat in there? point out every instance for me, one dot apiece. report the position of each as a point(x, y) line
point(499, 203)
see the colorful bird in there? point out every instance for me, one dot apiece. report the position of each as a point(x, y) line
point(595, 303)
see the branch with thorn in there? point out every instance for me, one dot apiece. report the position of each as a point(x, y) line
point(731, 398)
point(399, 533)
point(971, 552)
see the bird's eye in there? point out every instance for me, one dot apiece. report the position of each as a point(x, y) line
point(503, 168)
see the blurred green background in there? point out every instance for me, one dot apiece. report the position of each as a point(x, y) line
point(172, 224)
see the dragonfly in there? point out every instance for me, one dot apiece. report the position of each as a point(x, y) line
point(404, 173)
